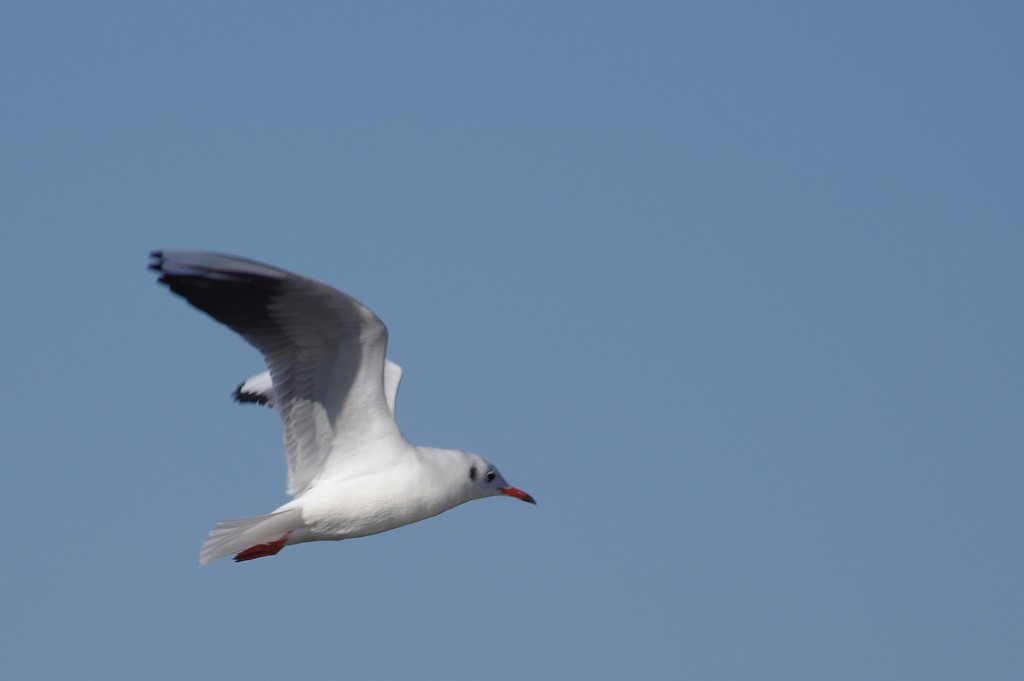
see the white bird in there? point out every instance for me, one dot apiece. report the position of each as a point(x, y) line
point(351, 472)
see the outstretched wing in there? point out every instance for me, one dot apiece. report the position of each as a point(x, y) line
point(324, 349)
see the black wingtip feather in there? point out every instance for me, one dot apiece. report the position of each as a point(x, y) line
point(236, 298)
point(248, 398)
point(157, 263)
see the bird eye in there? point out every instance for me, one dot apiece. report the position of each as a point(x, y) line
point(472, 473)
point(490, 476)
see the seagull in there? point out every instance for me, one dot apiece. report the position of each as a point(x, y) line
point(351, 472)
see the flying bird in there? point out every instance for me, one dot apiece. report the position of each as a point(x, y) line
point(351, 472)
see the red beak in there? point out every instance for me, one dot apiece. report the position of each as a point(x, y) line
point(518, 494)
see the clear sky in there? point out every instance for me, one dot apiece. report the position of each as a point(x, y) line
point(733, 289)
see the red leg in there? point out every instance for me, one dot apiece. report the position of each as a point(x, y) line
point(262, 550)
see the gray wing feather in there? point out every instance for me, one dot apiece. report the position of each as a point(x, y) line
point(259, 389)
point(324, 349)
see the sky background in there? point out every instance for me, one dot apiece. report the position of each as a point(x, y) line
point(733, 289)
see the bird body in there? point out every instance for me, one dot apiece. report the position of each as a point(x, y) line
point(350, 470)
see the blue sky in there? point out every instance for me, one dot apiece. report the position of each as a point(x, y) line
point(733, 289)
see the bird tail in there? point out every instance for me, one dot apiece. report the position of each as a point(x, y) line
point(262, 535)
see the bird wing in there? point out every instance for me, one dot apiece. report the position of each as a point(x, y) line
point(259, 389)
point(392, 379)
point(324, 349)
